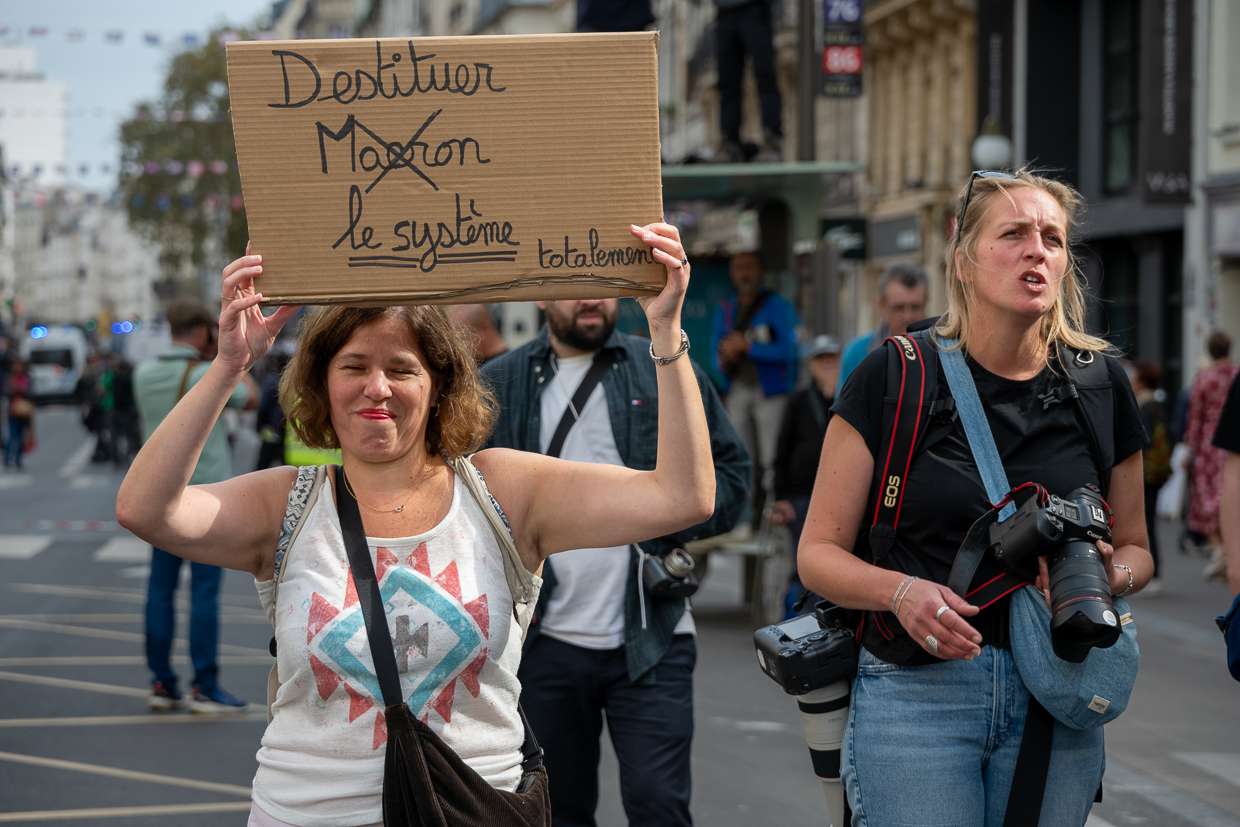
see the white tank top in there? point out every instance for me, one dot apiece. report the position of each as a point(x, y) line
point(457, 645)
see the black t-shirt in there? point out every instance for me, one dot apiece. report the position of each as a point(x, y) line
point(1227, 434)
point(943, 492)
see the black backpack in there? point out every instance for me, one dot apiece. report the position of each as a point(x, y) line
point(913, 400)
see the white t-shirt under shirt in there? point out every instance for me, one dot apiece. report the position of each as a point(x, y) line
point(587, 607)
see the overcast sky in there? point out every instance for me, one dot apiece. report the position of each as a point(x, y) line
point(108, 76)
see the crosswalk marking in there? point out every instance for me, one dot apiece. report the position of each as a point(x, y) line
point(76, 461)
point(123, 550)
point(15, 481)
point(1226, 765)
point(22, 546)
point(1097, 821)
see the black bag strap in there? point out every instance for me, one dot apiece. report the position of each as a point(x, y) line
point(745, 318)
point(1033, 763)
point(368, 597)
point(603, 360)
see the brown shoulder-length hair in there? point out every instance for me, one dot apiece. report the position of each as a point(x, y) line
point(466, 410)
point(1064, 323)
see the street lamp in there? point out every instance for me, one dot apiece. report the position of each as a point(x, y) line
point(991, 148)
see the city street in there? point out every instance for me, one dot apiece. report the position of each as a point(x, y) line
point(78, 747)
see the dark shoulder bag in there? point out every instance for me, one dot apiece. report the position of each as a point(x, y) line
point(425, 783)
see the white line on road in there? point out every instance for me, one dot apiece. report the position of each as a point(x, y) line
point(122, 660)
point(131, 720)
point(235, 616)
point(77, 461)
point(116, 594)
point(123, 550)
point(66, 683)
point(1192, 809)
point(130, 775)
point(1226, 765)
point(128, 812)
point(1097, 821)
point(109, 634)
point(22, 546)
point(19, 481)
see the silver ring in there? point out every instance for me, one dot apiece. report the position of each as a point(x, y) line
point(684, 262)
point(932, 643)
point(938, 615)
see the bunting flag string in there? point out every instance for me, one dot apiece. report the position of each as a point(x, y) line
point(119, 37)
point(171, 168)
point(163, 201)
point(173, 116)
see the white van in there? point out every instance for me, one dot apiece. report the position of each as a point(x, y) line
point(56, 357)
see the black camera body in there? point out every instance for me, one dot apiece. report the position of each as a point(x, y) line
point(1065, 531)
point(670, 574)
point(808, 652)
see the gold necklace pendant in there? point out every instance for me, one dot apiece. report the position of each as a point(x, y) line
point(398, 509)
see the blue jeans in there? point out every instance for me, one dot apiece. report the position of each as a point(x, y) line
point(204, 619)
point(17, 442)
point(567, 692)
point(936, 746)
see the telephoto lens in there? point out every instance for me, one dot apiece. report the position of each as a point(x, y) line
point(1082, 612)
point(824, 718)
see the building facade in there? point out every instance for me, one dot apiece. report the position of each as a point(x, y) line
point(922, 121)
point(1212, 232)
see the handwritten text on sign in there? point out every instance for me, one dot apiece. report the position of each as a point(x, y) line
point(448, 168)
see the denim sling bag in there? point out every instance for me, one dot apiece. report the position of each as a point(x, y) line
point(1078, 695)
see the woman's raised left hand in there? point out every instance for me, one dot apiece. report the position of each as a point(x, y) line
point(663, 311)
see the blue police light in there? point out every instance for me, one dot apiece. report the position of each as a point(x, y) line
point(38, 332)
point(126, 326)
point(116, 329)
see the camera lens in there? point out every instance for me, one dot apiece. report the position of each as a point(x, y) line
point(678, 562)
point(1082, 612)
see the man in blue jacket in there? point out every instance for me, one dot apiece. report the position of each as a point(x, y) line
point(755, 344)
point(602, 643)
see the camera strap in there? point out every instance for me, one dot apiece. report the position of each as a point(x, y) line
point(904, 426)
point(1024, 805)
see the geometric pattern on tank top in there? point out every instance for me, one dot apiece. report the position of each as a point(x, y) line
point(330, 629)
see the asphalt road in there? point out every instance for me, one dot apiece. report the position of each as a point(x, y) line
point(78, 747)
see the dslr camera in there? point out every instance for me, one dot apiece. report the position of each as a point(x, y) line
point(809, 651)
point(814, 657)
point(670, 574)
point(1065, 531)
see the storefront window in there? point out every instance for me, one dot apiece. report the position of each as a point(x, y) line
point(1120, 75)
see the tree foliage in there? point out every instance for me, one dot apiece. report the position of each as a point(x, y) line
point(187, 214)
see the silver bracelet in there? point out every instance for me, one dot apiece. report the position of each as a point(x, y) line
point(898, 598)
point(667, 360)
point(1127, 568)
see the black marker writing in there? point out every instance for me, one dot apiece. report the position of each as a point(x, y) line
point(557, 257)
point(421, 77)
point(355, 218)
point(465, 231)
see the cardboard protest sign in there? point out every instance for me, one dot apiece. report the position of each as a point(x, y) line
point(446, 169)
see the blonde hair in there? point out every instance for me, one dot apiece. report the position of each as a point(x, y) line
point(459, 424)
point(1064, 323)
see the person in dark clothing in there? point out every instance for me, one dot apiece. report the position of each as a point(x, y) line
point(604, 646)
point(744, 27)
point(269, 421)
point(1151, 402)
point(613, 15)
point(126, 427)
point(800, 445)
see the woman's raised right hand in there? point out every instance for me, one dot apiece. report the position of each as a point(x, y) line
point(245, 333)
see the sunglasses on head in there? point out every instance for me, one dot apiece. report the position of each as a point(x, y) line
point(968, 193)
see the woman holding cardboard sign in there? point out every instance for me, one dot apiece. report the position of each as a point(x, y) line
point(402, 620)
